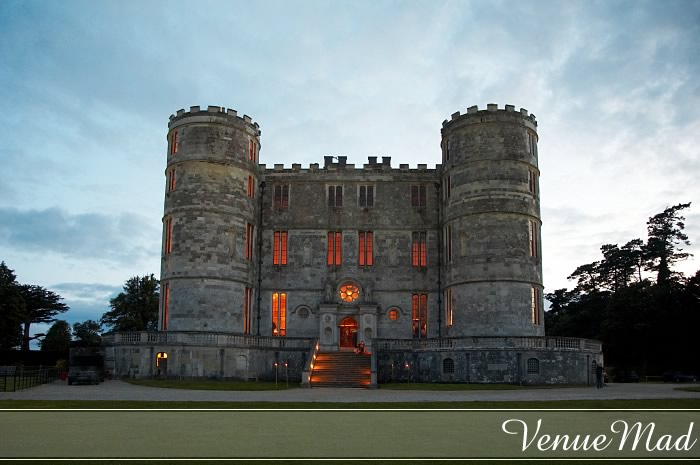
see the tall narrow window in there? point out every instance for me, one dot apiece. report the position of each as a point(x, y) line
point(532, 181)
point(173, 143)
point(366, 253)
point(420, 315)
point(251, 150)
point(335, 196)
point(279, 249)
point(247, 306)
point(281, 196)
point(449, 303)
point(279, 314)
point(448, 243)
point(535, 292)
point(168, 242)
point(532, 144)
point(249, 241)
point(418, 196)
point(366, 196)
point(534, 246)
point(171, 180)
point(166, 304)
point(335, 248)
point(447, 187)
point(251, 187)
point(419, 251)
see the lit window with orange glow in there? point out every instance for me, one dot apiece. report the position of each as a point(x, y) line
point(161, 358)
point(173, 143)
point(420, 315)
point(171, 180)
point(279, 314)
point(349, 293)
point(393, 314)
point(251, 187)
point(366, 252)
point(166, 304)
point(247, 306)
point(335, 248)
point(168, 240)
point(279, 248)
point(419, 251)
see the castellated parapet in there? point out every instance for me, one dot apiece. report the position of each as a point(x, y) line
point(438, 269)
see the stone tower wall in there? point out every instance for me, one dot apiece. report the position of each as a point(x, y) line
point(206, 271)
point(490, 164)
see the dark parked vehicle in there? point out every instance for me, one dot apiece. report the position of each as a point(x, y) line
point(626, 376)
point(679, 377)
point(86, 365)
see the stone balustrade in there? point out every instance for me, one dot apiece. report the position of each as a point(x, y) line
point(192, 338)
point(490, 342)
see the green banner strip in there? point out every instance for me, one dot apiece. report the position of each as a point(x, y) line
point(353, 434)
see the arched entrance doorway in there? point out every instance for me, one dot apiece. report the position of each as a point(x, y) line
point(348, 333)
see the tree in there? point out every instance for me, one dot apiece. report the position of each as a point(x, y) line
point(58, 336)
point(87, 334)
point(665, 231)
point(40, 306)
point(135, 309)
point(11, 309)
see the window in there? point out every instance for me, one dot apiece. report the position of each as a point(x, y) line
point(445, 150)
point(251, 187)
point(249, 241)
point(168, 242)
point(335, 196)
point(532, 143)
point(532, 181)
point(171, 181)
point(349, 292)
point(533, 236)
point(420, 315)
point(366, 196)
point(366, 240)
point(447, 187)
point(253, 151)
point(533, 365)
point(448, 243)
point(448, 365)
point(281, 196)
point(335, 248)
point(279, 249)
point(166, 304)
point(536, 306)
point(161, 359)
point(418, 196)
point(419, 250)
point(174, 143)
point(393, 314)
point(449, 303)
point(247, 306)
point(279, 314)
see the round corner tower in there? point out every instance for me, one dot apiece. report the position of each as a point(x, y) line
point(210, 221)
point(491, 222)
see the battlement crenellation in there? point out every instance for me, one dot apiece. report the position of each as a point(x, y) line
point(212, 110)
point(491, 108)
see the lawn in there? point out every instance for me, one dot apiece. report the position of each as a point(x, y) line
point(468, 387)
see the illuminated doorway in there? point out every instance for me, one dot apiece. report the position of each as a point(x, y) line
point(348, 333)
point(161, 364)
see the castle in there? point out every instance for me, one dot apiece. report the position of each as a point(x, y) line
point(437, 271)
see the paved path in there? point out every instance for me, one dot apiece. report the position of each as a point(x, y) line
point(119, 390)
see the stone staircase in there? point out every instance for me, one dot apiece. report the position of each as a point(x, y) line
point(341, 369)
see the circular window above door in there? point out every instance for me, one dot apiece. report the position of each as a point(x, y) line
point(349, 292)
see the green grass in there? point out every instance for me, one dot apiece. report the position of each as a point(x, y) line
point(468, 387)
point(213, 385)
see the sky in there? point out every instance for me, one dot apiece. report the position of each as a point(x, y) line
point(88, 87)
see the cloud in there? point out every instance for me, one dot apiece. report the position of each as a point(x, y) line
point(122, 238)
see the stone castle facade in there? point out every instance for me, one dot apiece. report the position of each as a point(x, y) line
point(269, 265)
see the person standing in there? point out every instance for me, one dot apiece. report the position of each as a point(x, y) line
point(599, 376)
